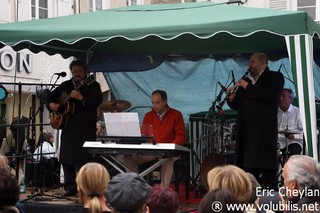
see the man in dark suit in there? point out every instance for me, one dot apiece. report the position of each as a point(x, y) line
point(257, 102)
point(80, 125)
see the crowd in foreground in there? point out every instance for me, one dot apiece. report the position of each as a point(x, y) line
point(231, 189)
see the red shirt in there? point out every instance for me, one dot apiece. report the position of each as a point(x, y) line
point(170, 129)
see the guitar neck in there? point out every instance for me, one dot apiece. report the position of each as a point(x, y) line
point(67, 98)
point(77, 87)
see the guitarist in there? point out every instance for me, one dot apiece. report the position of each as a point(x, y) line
point(80, 126)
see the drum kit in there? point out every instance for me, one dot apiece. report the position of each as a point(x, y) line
point(287, 133)
point(283, 157)
point(222, 147)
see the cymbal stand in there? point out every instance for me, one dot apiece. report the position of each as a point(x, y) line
point(212, 111)
point(286, 154)
point(283, 158)
point(222, 123)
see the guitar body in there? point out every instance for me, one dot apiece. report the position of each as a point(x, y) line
point(58, 119)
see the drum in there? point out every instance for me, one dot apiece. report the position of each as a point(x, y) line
point(209, 163)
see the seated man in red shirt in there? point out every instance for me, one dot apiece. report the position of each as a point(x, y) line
point(168, 127)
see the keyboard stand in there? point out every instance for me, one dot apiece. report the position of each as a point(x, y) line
point(109, 152)
point(142, 174)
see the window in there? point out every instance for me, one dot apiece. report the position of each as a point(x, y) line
point(39, 9)
point(95, 5)
point(309, 6)
point(132, 2)
point(278, 4)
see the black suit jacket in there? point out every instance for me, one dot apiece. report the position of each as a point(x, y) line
point(257, 105)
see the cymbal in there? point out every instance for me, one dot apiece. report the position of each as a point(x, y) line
point(115, 105)
point(290, 131)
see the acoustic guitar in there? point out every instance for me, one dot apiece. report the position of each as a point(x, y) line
point(59, 118)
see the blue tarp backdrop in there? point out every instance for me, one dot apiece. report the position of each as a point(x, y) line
point(191, 85)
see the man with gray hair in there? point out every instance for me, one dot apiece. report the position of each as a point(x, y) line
point(290, 137)
point(301, 190)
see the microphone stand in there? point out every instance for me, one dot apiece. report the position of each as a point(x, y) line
point(218, 99)
point(43, 96)
point(212, 110)
point(40, 192)
point(222, 148)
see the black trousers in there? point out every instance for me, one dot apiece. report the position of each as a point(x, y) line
point(70, 174)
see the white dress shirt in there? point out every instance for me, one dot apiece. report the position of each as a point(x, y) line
point(289, 120)
point(46, 149)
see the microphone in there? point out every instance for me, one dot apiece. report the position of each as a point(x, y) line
point(280, 68)
point(223, 88)
point(61, 74)
point(220, 105)
point(233, 79)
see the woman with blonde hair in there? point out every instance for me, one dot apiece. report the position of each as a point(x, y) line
point(92, 181)
point(232, 178)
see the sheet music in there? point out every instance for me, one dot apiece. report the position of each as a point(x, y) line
point(122, 124)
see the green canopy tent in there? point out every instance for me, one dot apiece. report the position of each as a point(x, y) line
point(192, 28)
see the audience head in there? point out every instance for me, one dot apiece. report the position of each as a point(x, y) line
point(162, 199)
point(232, 178)
point(127, 192)
point(4, 162)
point(301, 172)
point(92, 181)
point(255, 184)
point(9, 188)
point(223, 196)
